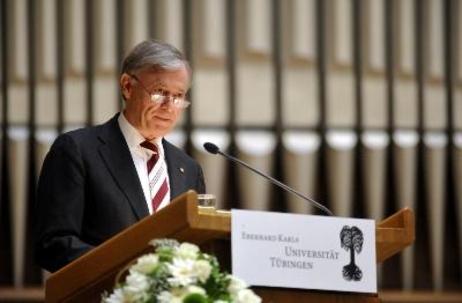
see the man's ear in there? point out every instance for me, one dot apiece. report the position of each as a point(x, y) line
point(125, 86)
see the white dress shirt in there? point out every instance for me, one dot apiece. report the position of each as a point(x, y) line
point(140, 156)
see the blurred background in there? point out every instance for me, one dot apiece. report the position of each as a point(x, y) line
point(355, 103)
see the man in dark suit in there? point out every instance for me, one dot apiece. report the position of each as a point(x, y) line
point(99, 180)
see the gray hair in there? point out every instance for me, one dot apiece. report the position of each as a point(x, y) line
point(153, 54)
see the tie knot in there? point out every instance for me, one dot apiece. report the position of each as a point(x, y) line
point(149, 145)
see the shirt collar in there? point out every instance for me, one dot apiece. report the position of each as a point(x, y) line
point(134, 138)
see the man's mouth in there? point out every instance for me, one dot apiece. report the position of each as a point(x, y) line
point(162, 119)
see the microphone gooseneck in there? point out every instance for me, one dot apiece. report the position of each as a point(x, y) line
point(213, 149)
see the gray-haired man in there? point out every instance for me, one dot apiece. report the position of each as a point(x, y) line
point(99, 180)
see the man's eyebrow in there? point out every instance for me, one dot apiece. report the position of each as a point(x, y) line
point(161, 85)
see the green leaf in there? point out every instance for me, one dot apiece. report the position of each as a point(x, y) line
point(195, 298)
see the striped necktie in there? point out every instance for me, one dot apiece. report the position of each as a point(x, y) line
point(157, 174)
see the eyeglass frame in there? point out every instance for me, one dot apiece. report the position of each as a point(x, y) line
point(160, 98)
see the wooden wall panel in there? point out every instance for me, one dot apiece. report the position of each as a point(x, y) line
point(406, 153)
point(435, 143)
point(256, 149)
point(406, 32)
point(18, 177)
point(340, 171)
point(301, 151)
point(47, 39)
point(302, 25)
point(343, 39)
point(75, 42)
point(105, 36)
point(376, 36)
point(435, 39)
point(213, 29)
point(18, 36)
point(257, 33)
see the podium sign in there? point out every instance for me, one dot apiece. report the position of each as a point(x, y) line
point(304, 251)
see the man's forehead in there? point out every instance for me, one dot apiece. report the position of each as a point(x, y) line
point(161, 73)
point(161, 80)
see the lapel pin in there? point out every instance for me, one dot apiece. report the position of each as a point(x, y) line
point(182, 170)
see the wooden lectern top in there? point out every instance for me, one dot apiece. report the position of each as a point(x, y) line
point(87, 277)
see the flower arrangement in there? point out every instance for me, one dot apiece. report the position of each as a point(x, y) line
point(177, 273)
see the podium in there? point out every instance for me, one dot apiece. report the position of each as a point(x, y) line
point(85, 279)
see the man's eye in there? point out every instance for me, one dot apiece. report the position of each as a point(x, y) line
point(156, 97)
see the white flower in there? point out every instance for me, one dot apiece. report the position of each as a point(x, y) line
point(164, 297)
point(180, 293)
point(187, 251)
point(247, 296)
point(116, 297)
point(137, 281)
point(202, 269)
point(136, 287)
point(169, 297)
point(146, 264)
point(193, 289)
point(187, 271)
point(182, 271)
point(181, 275)
point(236, 285)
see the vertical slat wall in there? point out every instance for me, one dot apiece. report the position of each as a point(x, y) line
point(6, 248)
point(355, 103)
point(450, 17)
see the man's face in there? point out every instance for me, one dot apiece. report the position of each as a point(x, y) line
point(153, 120)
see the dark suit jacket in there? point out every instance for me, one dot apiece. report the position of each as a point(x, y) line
point(89, 190)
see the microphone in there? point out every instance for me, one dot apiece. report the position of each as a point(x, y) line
point(213, 149)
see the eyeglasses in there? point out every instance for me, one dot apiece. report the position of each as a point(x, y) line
point(161, 97)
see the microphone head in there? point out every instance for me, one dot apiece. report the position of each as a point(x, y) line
point(211, 148)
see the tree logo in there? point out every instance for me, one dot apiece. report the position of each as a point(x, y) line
point(352, 239)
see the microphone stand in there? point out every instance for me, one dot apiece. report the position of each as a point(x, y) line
point(212, 148)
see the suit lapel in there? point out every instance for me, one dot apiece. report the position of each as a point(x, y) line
point(119, 162)
point(176, 170)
